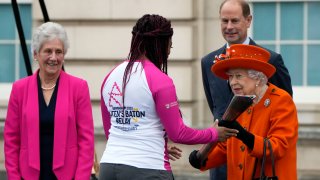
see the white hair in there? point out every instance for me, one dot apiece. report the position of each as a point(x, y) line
point(49, 31)
point(257, 75)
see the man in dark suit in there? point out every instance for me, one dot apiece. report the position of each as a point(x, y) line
point(235, 20)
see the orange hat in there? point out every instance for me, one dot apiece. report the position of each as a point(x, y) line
point(243, 56)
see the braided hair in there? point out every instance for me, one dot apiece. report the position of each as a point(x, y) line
point(151, 36)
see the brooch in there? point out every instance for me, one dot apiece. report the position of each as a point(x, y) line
point(267, 102)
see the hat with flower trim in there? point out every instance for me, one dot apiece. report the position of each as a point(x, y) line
point(245, 57)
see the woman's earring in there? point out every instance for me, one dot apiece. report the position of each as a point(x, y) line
point(257, 85)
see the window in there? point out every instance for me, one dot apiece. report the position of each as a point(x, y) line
point(12, 66)
point(292, 29)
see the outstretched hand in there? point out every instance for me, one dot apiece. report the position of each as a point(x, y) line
point(245, 136)
point(174, 153)
point(224, 132)
point(230, 124)
point(233, 125)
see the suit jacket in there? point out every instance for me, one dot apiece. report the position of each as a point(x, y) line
point(217, 90)
point(274, 117)
point(73, 130)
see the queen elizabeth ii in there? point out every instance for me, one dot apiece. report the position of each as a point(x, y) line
point(272, 116)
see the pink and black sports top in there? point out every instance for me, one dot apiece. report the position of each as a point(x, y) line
point(137, 130)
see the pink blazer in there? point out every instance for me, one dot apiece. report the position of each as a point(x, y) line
point(73, 130)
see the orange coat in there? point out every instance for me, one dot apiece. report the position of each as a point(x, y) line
point(276, 120)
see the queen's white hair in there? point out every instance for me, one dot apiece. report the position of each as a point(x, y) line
point(257, 75)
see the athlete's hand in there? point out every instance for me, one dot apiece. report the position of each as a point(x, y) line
point(174, 153)
point(223, 132)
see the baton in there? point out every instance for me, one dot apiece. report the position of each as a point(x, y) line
point(238, 104)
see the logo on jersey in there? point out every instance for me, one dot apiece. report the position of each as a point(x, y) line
point(172, 104)
point(115, 95)
point(126, 118)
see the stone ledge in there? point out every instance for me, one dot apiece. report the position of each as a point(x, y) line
point(308, 175)
point(309, 133)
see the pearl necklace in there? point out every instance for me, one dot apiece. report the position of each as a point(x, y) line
point(49, 88)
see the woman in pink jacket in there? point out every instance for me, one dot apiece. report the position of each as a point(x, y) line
point(48, 130)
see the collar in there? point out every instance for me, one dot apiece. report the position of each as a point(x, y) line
point(247, 41)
